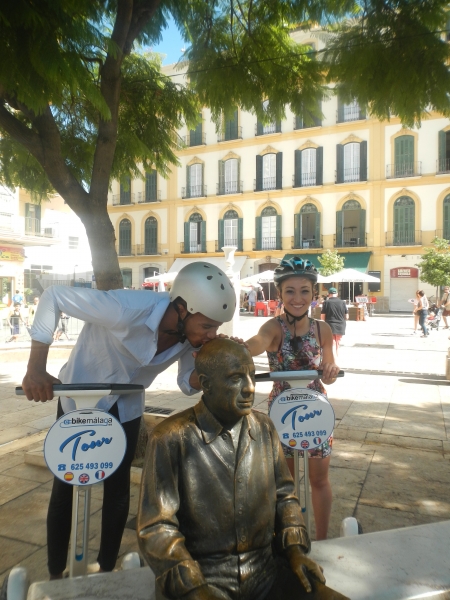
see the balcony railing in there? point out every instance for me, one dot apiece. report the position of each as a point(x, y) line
point(403, 238)
point(307, 179)
point(299, 124)
point(267, 243)
point(191, 248)
point(266, 129)
point(443, 233)
point(124, 199)
point(268, 183)
point(6, 221)
point(226, 242)
point(306, 243)
point(348, 175)
point(195, 139)
point(234, 134)
point(126, 249)
point(148, 249)
point(230, 187)
point(144, 197)
point(194, 191)
point(34, 226)
point(349, 239)
point(349, 113)
point(443, 165)
point(404, 169)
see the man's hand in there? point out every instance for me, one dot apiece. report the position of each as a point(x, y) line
point(38, 385)
point(300, 563)
point(206, 592)
point(330, 372)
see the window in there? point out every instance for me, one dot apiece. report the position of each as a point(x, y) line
point(349, 112)
point(404, 156)
point(230, 223)
point(269, 228)
point(125, 237)
point(265, 128)
point(150, 272)
point(307, 227)
point(231, 129)
point(125, 192)
point(351, 225)
point(151, 193)
point(404, 221)
point(309, 167)
point(127, 278)
point(269, 172)
point(307, 119)
point(73, 243)
point(32, 219)
point(229, 171)
point(446, 232)
point(351, 162)
point(195, 234)
point(196, 137)
point(151, 236)
point(195, 181)
point(444, 152)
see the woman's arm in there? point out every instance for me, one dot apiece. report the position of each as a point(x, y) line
point(329, 367)
point(265, 339)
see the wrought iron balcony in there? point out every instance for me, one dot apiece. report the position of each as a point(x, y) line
point(306, 243)
point(403, 238)
point(348, 175)
point(235, 133)
point(404, 169)
point(148, 249)
point(123, 199)
point(230, 187)
point(268, 183)
point(195, 139)
point(194, 191)
point(351, 239)
point(35, 227)
point(443, 165)
point(266, 129)
point(145, 197)
point(306, 180)
point(267, 243)
point(352, 112)
point(126, 249)
point(191, 248)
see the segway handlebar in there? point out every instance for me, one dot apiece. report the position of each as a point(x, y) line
point(291, 375)
point(81, 389)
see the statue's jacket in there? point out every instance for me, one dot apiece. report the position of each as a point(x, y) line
point(206, 507)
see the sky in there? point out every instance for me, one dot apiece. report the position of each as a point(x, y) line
point(171, 44)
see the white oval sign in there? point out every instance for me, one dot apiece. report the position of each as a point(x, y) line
point(85, 447)
point(304, 419)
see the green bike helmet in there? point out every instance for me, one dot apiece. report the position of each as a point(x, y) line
point(295, 267)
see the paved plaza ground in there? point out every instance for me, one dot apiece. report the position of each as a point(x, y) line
point(391, 455)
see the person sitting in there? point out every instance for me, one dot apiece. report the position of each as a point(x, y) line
point(218, 518)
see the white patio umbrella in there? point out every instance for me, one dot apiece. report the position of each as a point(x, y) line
point(350, 276)
point(161, 280)
point(257, 278)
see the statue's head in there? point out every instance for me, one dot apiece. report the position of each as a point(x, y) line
point(227, 377)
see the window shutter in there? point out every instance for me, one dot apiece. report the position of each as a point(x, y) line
point(446, 233)
point(188, 182)
point(362, 114)
point(278, 126)
point(442, 152)
point(187, 240)
point(298, 170)
point(279, 173)
point(317, 243)
point(258, 232)
point(234, 131)
point(239, 176)
point(203, 193)
point(240, 235)
point(37, 212)
point(339, 229)
point(278, 233)
point(362, 227)
point(340, 163)
point(319, 165)
point(150, 186)
point(203, 235)
point(221, 177)
point(297, 221)
point(318, 120)
point(298, 122)
point(340, 111)
point(259, 127)
point(259, 171)
point(363, 161)
point(221, 234)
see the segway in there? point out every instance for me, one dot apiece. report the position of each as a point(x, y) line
point(82, 448)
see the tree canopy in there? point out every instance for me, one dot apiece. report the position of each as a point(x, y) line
point(331, 262)
point(83, 101)
point(435, 263)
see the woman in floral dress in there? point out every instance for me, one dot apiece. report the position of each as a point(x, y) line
point(295, 342)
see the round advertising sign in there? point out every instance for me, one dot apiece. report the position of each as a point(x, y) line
point(84, 447)
point(304, 419)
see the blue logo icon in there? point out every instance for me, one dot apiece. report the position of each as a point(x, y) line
point(285, 436)
point(61, 467)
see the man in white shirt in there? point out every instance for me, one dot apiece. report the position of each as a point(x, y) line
point(128, 337)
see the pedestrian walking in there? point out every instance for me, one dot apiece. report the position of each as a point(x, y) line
point(415, 302)
point(295, 342)
point(252, 300)
point(128, 337)
point(32, 311)
point(335, 313)
point(15, 318)
point(17, 298)
point(63, 327)
point(445, 303)
point(422, 311)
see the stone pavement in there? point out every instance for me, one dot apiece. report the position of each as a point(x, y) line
point(391, 455)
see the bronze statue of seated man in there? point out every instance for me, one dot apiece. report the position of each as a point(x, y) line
point(218, 517)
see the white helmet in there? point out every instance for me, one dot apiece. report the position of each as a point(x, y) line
point(206, 289)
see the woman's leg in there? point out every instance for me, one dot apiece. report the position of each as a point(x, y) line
point(416, 322)
point(322, 496)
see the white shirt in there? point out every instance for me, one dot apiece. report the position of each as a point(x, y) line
point(117, 343)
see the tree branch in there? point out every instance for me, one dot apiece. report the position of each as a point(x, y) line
point(19, 132)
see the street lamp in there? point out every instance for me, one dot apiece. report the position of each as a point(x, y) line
point(74, 267)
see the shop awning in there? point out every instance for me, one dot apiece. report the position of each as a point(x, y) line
point(215, 260)
point(353, 260)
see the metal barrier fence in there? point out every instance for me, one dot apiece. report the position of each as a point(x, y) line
point(74, 327)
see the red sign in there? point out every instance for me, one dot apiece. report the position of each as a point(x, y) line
point(404, 273)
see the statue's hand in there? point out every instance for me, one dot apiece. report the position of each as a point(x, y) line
point(301, 564)
point(205, 592)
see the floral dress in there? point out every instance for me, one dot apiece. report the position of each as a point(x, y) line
point(308, 357)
